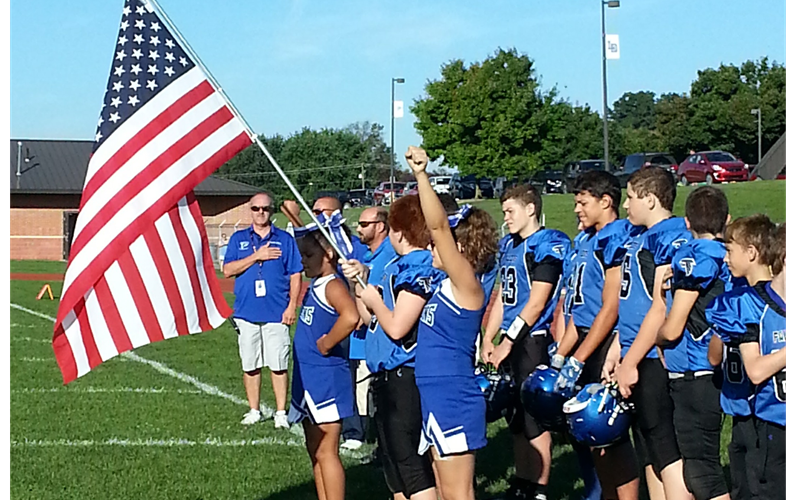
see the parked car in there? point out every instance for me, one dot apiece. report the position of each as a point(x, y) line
point(485, 185)
point(410, 188)
point(360, 198)
point(573, 169)
point(637, 161)
point(341, 196)
point(550, 181)
point(382, 193)
point(441, 183)
point(712, 166)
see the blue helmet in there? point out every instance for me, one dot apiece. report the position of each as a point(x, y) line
point(598, 416)
point(499, 390)
point(541, 401)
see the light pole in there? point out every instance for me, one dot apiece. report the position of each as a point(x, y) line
point(391, 172)
point(756, 111)
point(612, 4)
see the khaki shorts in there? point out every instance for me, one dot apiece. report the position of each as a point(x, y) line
point(362, 388)
point(268, 345)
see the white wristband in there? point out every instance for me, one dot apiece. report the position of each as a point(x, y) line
point(516, 327)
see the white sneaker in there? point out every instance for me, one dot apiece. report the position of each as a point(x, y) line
point(281, 420)
point(251, 417)
point(351, 444)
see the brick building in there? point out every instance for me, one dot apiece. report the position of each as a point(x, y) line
point(47, 177)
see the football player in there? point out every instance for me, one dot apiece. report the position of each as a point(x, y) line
point(592, 299)
point(698, 275)
point(749, 256)
point(650, 195)
point(530, 263)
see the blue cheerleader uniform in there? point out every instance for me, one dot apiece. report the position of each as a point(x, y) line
point(321, 387)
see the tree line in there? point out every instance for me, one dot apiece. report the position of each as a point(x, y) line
point(495, 118)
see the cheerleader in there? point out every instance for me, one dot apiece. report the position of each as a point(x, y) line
point(321, 390)
point(453, 409)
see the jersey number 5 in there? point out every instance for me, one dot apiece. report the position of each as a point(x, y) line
point(626, 276)
point(508, 286)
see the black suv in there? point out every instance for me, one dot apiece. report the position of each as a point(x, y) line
point(637, 161)
point(550, 181)
point(573, 169)
point(359, 198)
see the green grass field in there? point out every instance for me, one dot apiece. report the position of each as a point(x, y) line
point(130, 430)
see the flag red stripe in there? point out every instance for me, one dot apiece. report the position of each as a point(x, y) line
point(144, 136)
point(149, 174)
point(93, 355)
point(88, 276)
point(190, 264)
point(209, 269)
point(168, 280)
point(139, 293)
point(112, 316)
point(64, 355)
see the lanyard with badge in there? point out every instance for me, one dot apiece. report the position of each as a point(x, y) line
point(259, 283)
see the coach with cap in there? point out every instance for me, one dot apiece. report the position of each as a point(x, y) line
point(267, 267)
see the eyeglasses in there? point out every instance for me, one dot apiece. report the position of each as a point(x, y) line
point(263, 209)
point(317, 211)
point(367, 223)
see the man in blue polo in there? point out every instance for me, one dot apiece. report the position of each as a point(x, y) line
point(268, 277)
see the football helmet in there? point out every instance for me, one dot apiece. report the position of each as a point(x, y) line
point(499, 390)
point(598, 416)
point(541, 401)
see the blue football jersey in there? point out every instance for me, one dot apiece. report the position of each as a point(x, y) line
point(767, 327)
point(727, 315)
point(488, 282)
point(447, 334)
point(697, 266)
point(538, 257)
point(316, 318)
point(567, 277)
point(644, 253)
point(597, 252)
point(414, 273)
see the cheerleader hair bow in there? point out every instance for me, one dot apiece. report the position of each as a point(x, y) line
point(335, 226)
point(457, 217)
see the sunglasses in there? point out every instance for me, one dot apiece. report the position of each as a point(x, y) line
point(367, 223)
point(261, 209)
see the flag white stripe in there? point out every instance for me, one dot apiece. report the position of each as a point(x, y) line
point(180, 274)
point(150, 110)
point(146, 155)
point(97, 324)
point(72, 331)
point(189, 224)
point(153, 285)
point(135, 328)
point(150, 195)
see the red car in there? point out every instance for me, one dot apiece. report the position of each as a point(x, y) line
point(712, 166)
point(382, 194)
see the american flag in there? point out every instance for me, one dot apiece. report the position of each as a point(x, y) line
point(140, 268)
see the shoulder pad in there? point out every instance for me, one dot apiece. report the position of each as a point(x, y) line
point(611, 241)
point(693, 268)
point(730, 312)
point(665, 239)
point(548, 243)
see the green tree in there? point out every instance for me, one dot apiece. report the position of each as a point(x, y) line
point(635, 110)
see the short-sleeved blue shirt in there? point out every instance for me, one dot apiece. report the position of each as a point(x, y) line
point(275, 273)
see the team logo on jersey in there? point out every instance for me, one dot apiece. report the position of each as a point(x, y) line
point(558, 249)
point(687, 264)
point(778, 337)
point(244, 245)
point(678, 243)
point(425, 283)
point(306, 315)
point(428, 313)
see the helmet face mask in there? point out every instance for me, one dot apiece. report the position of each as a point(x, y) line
point(598, 416)
point(499, 391)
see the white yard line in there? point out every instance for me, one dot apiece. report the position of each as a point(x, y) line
point(29, 339)
point(93, 390)
point(177, 442)
point(162, 368)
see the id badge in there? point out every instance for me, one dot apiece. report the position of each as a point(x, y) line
point(260, 288)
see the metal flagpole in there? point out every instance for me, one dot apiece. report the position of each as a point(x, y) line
point(153, 5)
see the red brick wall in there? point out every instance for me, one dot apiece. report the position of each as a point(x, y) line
point(37, 233)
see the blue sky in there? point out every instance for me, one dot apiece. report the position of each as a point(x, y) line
point(287, 65)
